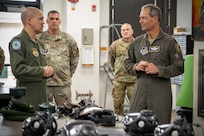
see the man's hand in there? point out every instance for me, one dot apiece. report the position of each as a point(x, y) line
point(147, 67)
point(151, 69)
point(48, 71)
point(141, 66)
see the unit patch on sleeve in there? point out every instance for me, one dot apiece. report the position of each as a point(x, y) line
point(16, 45)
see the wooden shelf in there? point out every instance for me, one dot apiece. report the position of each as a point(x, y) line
point(10, 17)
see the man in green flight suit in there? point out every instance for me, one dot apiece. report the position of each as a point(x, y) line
point(154, 57)
point(27, 58)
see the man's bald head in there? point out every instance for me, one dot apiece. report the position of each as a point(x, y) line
point(28, 12)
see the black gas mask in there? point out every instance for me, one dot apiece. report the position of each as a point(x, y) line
point(143, 122)
point(180, 127)
point(78, 128)
point(41, 124)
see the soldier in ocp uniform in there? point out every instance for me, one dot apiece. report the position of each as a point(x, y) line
point(27, 58)
point(2, 59)
point(63, 55)
point(123, 82)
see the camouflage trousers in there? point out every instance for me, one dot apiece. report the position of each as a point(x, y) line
point(59, 95)
point(119, 91)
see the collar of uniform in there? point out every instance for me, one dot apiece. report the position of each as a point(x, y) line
point(26, 35)
point(53, 38)
point(121, 41)
point(161, 34)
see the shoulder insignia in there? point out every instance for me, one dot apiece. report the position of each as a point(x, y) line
point(16, 44)
point(178, 49)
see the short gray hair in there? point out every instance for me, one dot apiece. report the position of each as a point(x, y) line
point(154, 10)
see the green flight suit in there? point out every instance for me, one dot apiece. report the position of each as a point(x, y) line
point(153, 91)
point(27, 60)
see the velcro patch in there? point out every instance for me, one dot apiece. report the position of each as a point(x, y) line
point(16, 45)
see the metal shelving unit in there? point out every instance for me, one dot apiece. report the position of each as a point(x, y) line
point(106, 67)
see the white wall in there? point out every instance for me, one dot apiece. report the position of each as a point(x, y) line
point(8, 31)
point(184, 7)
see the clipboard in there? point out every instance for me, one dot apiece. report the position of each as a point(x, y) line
point(87, 56)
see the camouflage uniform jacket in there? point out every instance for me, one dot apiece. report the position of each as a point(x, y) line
point(62, 54)
point(2, 59)
point(117, 53)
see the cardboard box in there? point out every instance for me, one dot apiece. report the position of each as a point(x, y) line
point(178, 29)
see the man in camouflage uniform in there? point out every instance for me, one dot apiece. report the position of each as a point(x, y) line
point(63, 55)
point(123, 82)
point(2, 59)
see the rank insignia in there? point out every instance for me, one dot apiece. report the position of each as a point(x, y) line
point(16, 45)
point(35, 52)
point(154, 49)
point(144, 50)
